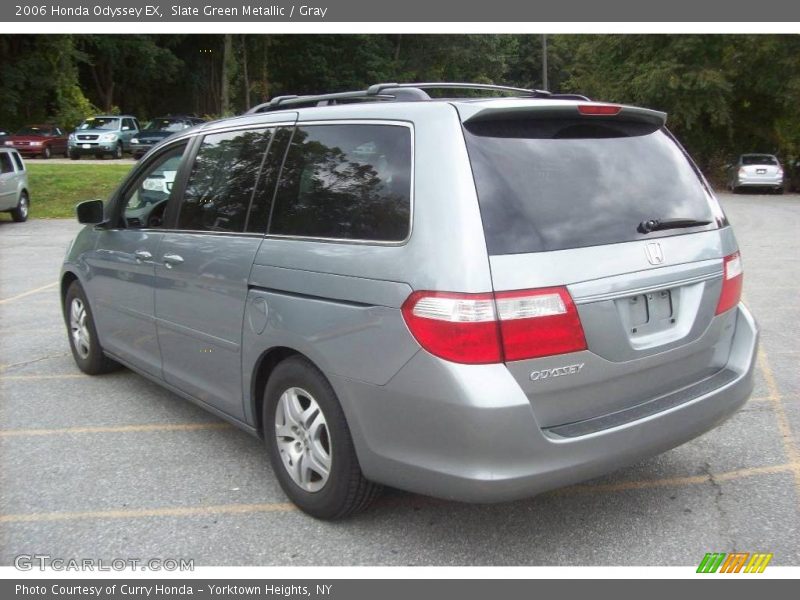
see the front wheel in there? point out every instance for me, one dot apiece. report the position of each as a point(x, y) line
point(309, 443)
point(83, 340)
point(46, 153)
point(74, 155)
point(20, 213)
point(118, 151)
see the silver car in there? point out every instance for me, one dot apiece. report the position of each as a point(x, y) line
point(757, 171)
point(14, 195)
point(478, 299)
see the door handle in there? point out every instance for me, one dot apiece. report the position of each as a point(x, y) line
point(171, 260)
point(142, 255)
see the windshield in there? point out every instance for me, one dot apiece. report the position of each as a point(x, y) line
point(170, 125)
point(34, 131)
point(759, 159)
point(553, 184)
point(109, 123)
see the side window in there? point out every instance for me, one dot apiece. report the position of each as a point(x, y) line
point(18, 160)
point(57, 131)
point(146, 200)
point(6, 166)
point(346, 182)
point(127, 124)
point(262, 199)
point(222, 181)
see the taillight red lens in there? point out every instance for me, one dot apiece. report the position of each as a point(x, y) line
point(731, 283)
point(491, 328)
point(599, 109)
point(458, 327)
point(537, 323)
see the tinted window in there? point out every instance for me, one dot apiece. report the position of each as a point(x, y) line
point(762, 159)
point(18, 160)
point(346, 182)
point(221, 184)
point(34, 130)
point(171, 125)
point(5, 163)
point(262, 199)
point(565, 183)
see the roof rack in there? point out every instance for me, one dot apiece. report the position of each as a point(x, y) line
point(398, 92)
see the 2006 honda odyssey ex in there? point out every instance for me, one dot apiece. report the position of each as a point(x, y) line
point(473, 298)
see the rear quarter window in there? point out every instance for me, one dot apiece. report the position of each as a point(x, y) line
point(345, 182)
point(554, 184)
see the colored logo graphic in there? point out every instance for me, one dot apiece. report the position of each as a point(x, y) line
point(736, 562)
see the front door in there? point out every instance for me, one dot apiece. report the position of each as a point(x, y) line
point(204, 266)
point(122, 267)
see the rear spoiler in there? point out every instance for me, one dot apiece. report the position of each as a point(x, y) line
point(511, 110)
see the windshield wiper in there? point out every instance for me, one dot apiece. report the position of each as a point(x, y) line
point(660, 225)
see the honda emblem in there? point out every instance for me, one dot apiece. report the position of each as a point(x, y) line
point(654, 253)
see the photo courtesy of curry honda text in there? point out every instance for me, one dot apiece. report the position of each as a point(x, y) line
point(474, 298)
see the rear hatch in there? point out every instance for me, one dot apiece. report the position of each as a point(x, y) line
point(603, 203)
point(759, 166)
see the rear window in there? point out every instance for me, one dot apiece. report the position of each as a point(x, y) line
point(761, 159)
point(554, 184)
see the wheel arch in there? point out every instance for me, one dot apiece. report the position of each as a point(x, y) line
point(67, 278)
point(263, 369)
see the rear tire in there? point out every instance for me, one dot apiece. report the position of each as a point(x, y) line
point(314, 434)
point(82, 334)
point(20, 213)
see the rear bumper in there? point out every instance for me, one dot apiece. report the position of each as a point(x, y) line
point(774, 182)
point(470, 433)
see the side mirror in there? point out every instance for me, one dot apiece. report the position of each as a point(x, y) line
point(90, 212)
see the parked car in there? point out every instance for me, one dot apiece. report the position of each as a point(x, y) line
point(39, 140)
point(477, 299)
point(103, 135)
point(159, 129)
point(757, 171)
point(14, 195)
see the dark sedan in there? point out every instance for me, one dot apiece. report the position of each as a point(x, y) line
point(38, 140)
point(159, 129)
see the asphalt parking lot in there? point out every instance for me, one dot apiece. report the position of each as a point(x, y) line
point(115, 467)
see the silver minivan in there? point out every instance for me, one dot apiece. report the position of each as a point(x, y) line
point(14, 195)
point(478, 299)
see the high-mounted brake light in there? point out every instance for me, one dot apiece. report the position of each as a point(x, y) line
point(491, 328)
point(599, 109)
point(731, 283)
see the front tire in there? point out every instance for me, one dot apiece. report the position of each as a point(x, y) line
point(118, 151)
point(46, 153)
point(20, 213)
point(83, 340)
point(74, 155)
point(309, 443)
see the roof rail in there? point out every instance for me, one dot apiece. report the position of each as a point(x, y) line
point(397, 92)
point(381, 87)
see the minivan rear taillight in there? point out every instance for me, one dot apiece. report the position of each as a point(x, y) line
point(731, 283)
point(492, 328)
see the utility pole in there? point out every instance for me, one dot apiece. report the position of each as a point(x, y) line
point(545, 85)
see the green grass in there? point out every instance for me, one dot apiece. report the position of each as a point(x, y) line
point(56, 189)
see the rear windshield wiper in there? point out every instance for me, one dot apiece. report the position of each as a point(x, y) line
point(660, 225)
